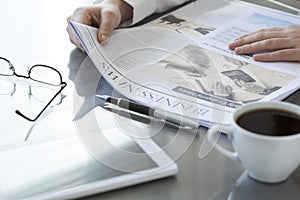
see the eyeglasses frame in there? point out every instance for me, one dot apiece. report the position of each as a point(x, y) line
point(62, 84)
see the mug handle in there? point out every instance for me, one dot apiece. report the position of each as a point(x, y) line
point(212, 135)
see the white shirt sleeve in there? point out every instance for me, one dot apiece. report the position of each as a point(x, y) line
point(144, 8)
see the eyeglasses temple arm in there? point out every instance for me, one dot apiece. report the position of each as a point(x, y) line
point(64, 84)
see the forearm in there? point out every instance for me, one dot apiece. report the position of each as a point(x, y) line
point(126, 10)
point(144, 8)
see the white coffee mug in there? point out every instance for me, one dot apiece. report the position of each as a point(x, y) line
point(266, 158)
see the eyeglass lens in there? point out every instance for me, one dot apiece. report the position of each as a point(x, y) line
point(45, 74)
point(7, 86)
point(5, 68)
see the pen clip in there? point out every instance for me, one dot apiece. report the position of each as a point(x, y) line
point(141, 117)
point(127, 113)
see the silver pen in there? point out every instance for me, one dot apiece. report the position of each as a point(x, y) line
point(160, 114)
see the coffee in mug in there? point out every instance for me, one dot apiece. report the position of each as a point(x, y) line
point(265, 137)
point(270, 121)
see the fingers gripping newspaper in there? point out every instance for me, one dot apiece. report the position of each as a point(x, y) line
point(181, 62)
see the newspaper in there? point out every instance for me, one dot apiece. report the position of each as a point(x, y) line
point(181, 61)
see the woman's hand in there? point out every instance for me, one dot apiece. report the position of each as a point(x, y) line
point(106, 16)
point(272, 44)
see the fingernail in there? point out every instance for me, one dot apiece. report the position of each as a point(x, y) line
point(104, 39)
point(238, 50)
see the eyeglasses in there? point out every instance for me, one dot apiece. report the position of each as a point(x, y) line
point(39, 73)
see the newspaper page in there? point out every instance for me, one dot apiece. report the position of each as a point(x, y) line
point(181, 62)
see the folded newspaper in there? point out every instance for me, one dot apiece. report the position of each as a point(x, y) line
point(181, 62)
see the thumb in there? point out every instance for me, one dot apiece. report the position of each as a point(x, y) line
point(109, 21)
